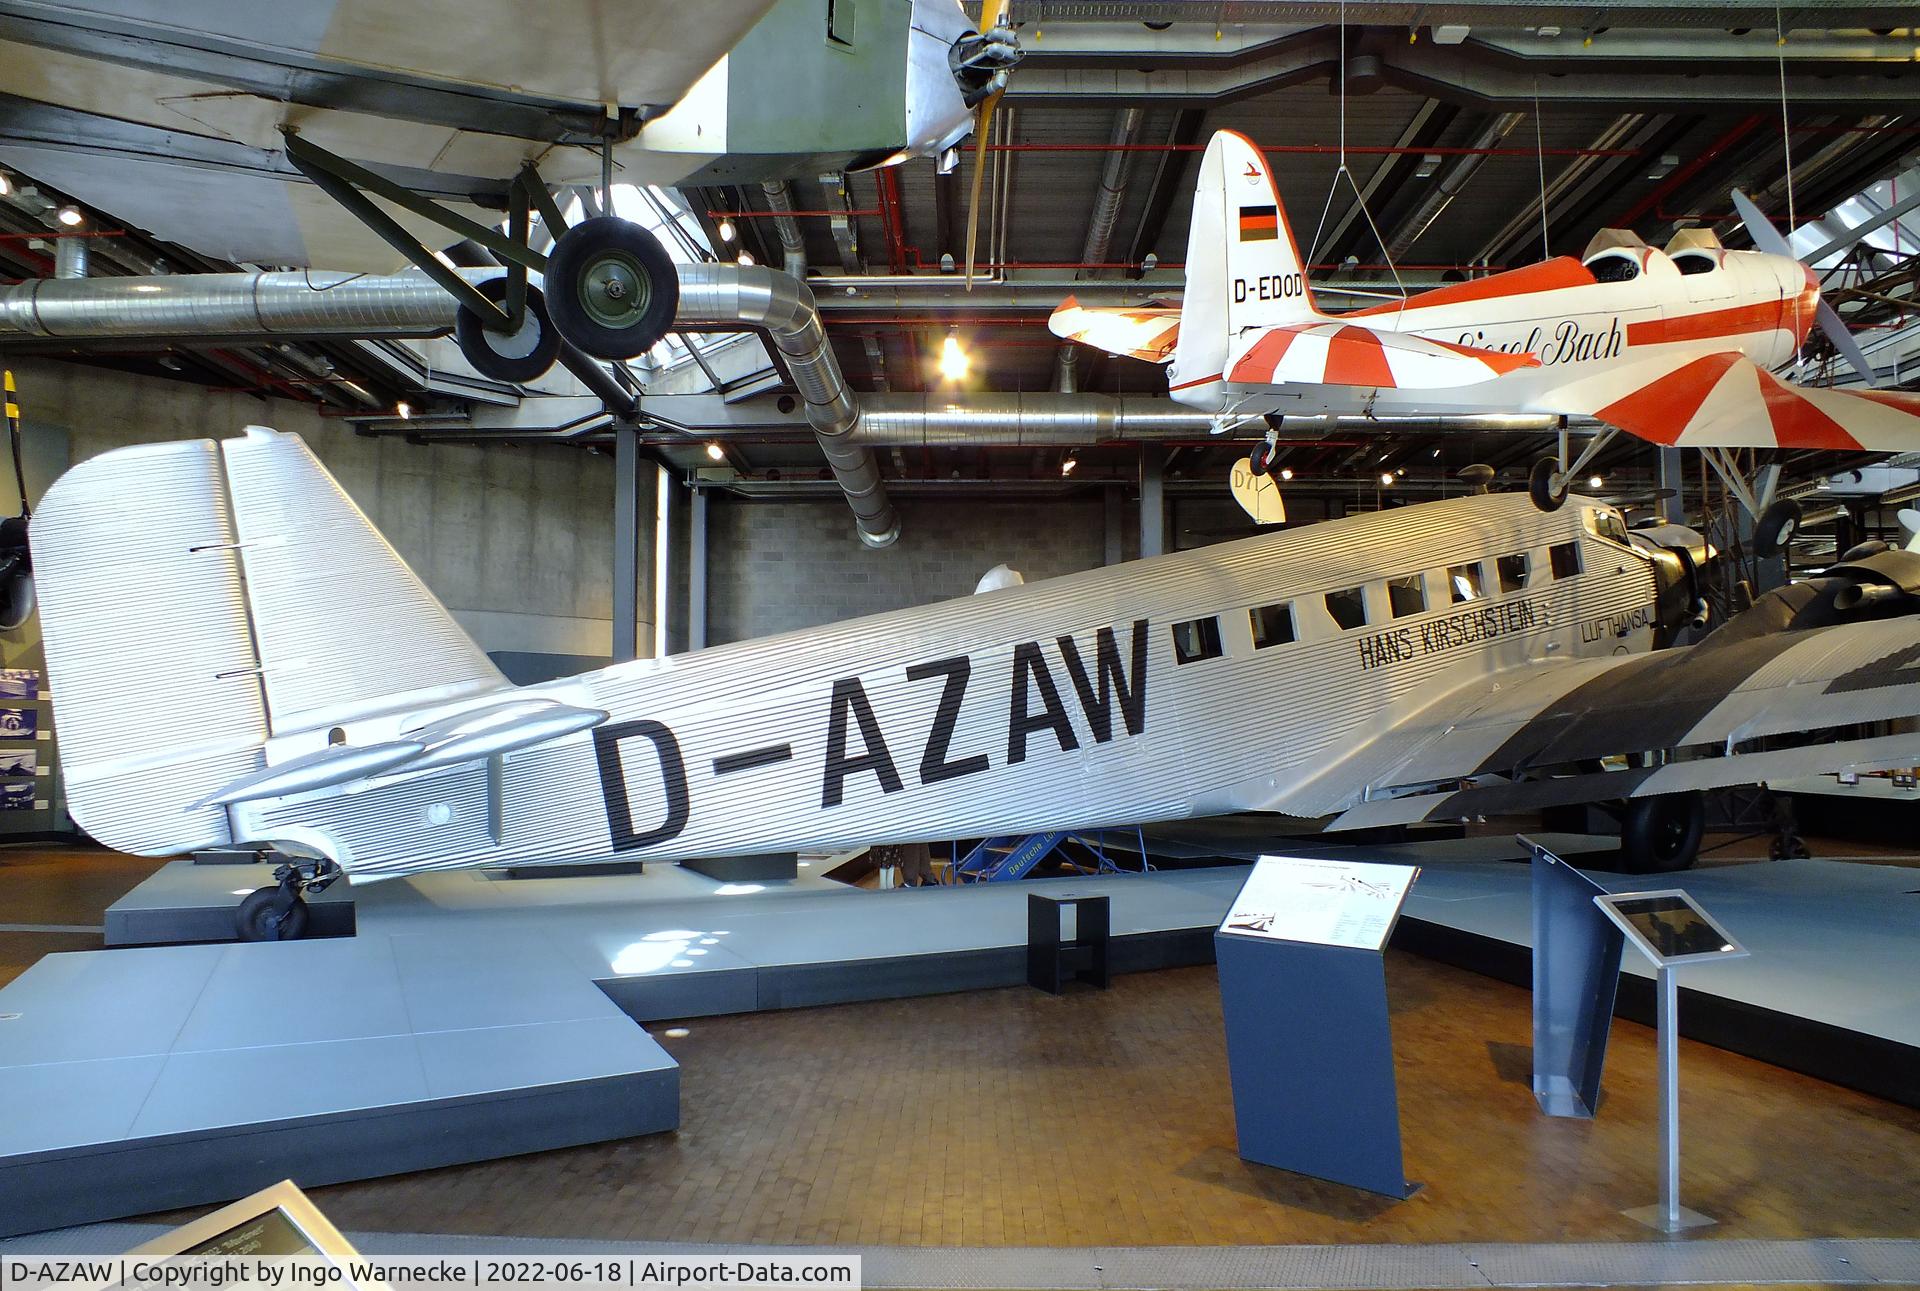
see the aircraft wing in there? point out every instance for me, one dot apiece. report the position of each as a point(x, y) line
point(1340, 353)
point(1729, 401)
point(1146, 332)
point(1533, 736)
point(169, 115)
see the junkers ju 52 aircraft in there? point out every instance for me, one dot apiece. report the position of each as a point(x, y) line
point(1674, 346)
point(1431, 662)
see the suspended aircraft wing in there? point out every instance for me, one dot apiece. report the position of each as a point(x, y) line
point(1729, 401)
point(1338, 353)
point(1146, 332)
point(169, 115)
point(1532, 737)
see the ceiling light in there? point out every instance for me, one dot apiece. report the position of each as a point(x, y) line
point(1286, 472)
point(70, 216)
point(403, 410)
point(953, 359)
point(1386, 477)
point(716, 452)
point(6, 185)
point(1066, 467)
point(726, 230)
point(1594, 482)
point(745, 257)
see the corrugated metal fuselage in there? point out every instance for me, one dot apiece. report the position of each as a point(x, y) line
point(1057, 704)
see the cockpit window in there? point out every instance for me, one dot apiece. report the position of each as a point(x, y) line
point(1614, 266)
point(1608, 524)
point(1691, 262)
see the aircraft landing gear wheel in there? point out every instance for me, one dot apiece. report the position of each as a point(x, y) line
point(612, 290)
point(1658, 835)
point(272, 914)
point(1775, 527)
point(517, 357)
point(1546, 486)
point(1260, 460)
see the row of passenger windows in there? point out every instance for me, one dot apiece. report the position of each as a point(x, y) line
point(1273, 625)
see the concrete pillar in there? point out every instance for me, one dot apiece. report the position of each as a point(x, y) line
point(697, 571)
point(626, 543)
point(1116, 530)
point(1153, 502)
point(1670, 475)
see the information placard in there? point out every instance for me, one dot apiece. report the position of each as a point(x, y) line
point(1320, 902)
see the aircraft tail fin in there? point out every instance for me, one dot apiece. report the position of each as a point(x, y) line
point(1244, 270)
point(235, 587)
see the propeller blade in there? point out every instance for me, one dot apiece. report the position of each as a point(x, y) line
point(979, 172)
point(1836, 330)
point(1760, 228)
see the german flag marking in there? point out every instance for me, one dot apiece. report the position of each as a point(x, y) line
point(1259, 223)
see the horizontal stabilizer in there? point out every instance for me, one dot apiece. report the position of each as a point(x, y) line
point(1728, 401)
point(1351, 354)
point(498, 728)
point(1148, 332)
point(321, 769)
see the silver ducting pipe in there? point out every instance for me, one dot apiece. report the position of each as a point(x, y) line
point(1079, 420)
point(229, 304)
point(70, 258)
point(320, 304)
point(1106, 210)
point(793, 247)
point(723, 295)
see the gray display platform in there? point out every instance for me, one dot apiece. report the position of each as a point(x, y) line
point(197, 902)
point(140, 1080)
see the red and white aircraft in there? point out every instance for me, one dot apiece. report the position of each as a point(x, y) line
point(1674, 346)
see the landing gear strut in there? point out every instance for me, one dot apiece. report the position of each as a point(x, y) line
point(280, 913)
point(1552, 477)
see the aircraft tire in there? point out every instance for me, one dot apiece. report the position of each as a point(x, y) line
point(521, 357)
point(1775, 527)
point(612, 290)
point(258, 918)
point(1540, 485)
point(1260, 460)
point(1661, 834)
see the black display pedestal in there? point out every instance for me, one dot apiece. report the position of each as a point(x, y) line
point(1053, 959)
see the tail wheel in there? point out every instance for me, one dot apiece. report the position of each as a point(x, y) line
point(266, 916)
point(1775, 527)
point(1260, 460)
point(519, 356)
point(612, 290)
point(1546, 486)
point(1658, 835)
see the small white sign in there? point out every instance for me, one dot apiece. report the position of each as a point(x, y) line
point(1321, 902)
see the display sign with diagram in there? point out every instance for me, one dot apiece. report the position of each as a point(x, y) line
point(19, 683)
point(1320, 902)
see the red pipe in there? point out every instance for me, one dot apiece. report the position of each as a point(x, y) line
point(51, 234)
point(1652, 201)
point(1322, 149)
point(770, 215)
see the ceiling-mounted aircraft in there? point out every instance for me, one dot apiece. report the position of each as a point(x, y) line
point(1438, 661)
point(1676, 346)
point(170, 117)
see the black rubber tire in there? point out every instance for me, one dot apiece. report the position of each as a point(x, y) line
point(1662, 834)
point(257, 918)
point(1261, 458)
point(583, 255)
point(1775, 527)
point(540, 346)
point(1540, 485)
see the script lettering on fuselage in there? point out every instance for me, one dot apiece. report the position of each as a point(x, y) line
point(1571, 340)
point(1482, 623)
point(1271, 286)
point(1108, 685)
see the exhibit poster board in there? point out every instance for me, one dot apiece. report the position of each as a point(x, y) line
point(1321, 902)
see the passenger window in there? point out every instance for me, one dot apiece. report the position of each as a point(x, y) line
point(1513, 571)
point(1407, 594)
point(1272, 625)
point(1565, 558)
point(1608, 524)
point(1197, 639)
point(1348, 607)
point(1464, 580)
